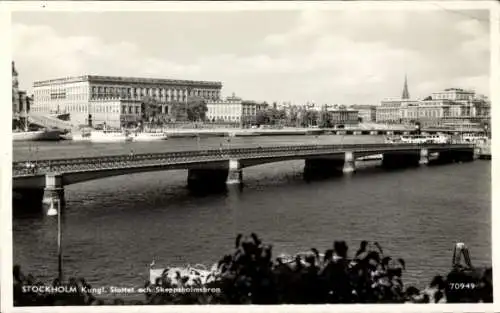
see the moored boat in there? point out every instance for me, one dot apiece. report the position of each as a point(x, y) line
point(423, 139)
point(148, 136)
point(393, 139)
point(101, 136)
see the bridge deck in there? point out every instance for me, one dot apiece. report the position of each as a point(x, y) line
point(72, 165)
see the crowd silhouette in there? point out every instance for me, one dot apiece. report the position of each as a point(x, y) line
point(250, 275)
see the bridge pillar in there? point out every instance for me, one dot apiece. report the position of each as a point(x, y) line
point(477, 152)
point(235, 173)
point(424, 157)
point(349, 162)
point(53, 193)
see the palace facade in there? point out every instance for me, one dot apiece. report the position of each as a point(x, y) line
point(114, 100)
point(232, 110)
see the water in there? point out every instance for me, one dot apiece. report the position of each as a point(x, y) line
point(68, 149)
point(114, 227)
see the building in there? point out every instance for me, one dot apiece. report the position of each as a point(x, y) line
point(452, 107)
point(232, 110)
point(15, 90)
point(21, 102)
point(114, 100)
point(343, 116)
point(406, 94)
point(366, 113)
point(388, 114)
point(24, 102)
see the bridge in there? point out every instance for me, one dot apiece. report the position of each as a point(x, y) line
point(44, 180)
point(44, 120)
point(49, 121)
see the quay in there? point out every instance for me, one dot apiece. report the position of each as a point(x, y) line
point(228, 132)
point(50, 121)
point(44, 181)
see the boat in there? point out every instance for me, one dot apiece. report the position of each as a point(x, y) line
point(148, 136)
point(473, 138)
point(184, 275)
point(101, 136)
point(393, 139)
point(40, 135)
point(425, 139)
point(375, 157)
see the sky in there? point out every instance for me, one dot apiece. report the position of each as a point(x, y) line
point(328, 56)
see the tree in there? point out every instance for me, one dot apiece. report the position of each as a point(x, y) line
point(292, 117)
point(178, 111)
point(324, 119)
point(193, 110)
point(262, 118)
point(150, 108)
point(196, 109)
point(309, 117)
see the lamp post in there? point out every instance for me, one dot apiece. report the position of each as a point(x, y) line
point(51, 212)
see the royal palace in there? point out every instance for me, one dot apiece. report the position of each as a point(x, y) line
point(114, 100)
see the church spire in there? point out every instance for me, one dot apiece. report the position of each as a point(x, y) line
point(406, 94)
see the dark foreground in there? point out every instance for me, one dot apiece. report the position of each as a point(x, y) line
point(250, 276)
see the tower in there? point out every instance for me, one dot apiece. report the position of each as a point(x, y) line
point(406, 94)
point(15, 90)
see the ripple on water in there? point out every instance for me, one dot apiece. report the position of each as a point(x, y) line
point(115, 226)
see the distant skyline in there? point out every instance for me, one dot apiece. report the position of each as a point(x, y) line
point(332, 56)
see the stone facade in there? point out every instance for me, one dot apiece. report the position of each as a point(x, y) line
point(452, 104)
point(107, 98)
point(21, 102)
point(233, 110)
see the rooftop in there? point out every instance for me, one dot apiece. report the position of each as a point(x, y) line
point(128, 80)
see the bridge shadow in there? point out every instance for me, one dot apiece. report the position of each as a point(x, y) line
point(309, 177)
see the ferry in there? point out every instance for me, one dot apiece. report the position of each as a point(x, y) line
point(147, 136)
point(102, 136)
point(423, 139)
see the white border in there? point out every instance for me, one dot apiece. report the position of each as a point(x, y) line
point(6, 154)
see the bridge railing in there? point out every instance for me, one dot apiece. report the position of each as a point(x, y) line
point(112, 161)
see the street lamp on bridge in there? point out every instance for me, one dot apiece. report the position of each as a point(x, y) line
point(52, 211)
